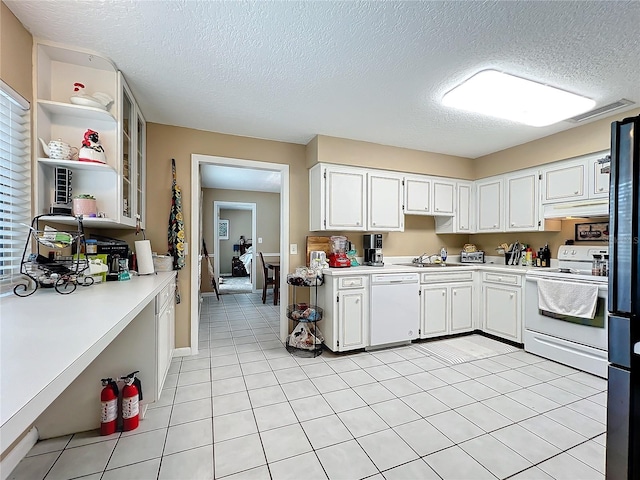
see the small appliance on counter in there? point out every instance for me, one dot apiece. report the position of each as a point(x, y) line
point(372, 245)
point(116, 250)
point(472, 257)
point(338, 257)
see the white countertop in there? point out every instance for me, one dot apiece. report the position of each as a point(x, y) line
point(391, 268)
point(48, 339)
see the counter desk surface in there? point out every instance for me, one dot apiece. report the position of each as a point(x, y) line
point(48, 339)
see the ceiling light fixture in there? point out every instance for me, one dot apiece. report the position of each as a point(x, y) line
point(498, 94)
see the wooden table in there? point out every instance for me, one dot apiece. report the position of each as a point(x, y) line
point(275, 266)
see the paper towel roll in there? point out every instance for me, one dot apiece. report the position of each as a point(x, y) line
point(144, 257)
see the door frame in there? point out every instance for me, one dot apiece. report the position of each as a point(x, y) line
point(283, 169)
point(219, 204)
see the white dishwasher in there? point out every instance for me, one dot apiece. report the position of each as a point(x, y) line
point(395, 308)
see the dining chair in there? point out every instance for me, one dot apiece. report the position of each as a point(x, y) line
point(266, 279)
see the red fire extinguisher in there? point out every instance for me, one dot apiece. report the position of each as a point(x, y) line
point(131, 395)
point(109, 400)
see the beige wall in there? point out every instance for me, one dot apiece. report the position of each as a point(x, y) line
point(589, 138)
point(165, 142)
point(364, 154)
point(489, 241)
point(15, 53)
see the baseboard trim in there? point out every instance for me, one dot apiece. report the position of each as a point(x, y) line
point(182, 352)
point(17, 453)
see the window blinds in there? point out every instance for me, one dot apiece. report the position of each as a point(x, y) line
point(15, 181)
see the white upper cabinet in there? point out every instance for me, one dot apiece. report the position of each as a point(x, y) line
point(337, 198)
point(463, 219)
point(58, 71)
point(565, 182)
point(464, 211)
point(384, 202)
point(443, 197)
point(490, 205)
point(522, 201)
point(417, 191)
point(598, 181)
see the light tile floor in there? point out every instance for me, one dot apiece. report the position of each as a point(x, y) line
point(244, 408)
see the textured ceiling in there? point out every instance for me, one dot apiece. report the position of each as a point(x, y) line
point(372, 71)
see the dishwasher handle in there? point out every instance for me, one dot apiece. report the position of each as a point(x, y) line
point(395, 279)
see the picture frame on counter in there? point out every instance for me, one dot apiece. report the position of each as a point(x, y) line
point(592, 232)
point(223, 229)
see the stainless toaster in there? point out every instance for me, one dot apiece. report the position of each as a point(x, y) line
point(472, 257)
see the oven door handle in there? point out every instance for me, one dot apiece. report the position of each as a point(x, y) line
point(602, 288)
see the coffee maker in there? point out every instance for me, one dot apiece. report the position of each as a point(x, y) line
point(372, 246)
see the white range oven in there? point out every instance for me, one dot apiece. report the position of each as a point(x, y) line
point(571, 340)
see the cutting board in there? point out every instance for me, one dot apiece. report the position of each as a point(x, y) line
point(320, 244)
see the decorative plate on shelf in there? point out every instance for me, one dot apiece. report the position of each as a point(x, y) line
point(86, 102)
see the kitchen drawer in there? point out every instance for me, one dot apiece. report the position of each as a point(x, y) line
point(446, 277)
point(164, 296)
point(352, 282)
point(503, 278)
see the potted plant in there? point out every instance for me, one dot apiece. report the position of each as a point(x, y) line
point(85, 204)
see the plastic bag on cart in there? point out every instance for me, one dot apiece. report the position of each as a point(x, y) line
point(306, 336)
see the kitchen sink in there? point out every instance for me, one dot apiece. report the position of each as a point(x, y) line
point(428, 265)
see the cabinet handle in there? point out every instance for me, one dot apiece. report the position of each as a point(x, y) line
point(495, 225)
point(499, 279)
point(513, 224)
point(444, 292)
point(576, 192)
point(437, 209)
point(511, 295)
point(601, 189)
point(358, 300)
point(357, 224)
point(426, 208)
point(374, 223)
point(462, 227)
point(455, 292)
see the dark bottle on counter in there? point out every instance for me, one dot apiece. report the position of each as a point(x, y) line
point(546, 256)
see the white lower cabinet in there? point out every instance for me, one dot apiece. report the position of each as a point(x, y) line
point(165, 333)
point(502, 305)
point(446, 304)
point(345, 322)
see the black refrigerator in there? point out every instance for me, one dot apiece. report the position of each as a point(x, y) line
point(623, 398)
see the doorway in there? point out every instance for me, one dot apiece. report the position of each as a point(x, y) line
point(228, 251)
point(266, 169)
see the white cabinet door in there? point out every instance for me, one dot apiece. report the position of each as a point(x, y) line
point(434, 311)
point(461, 308)
point(522, 201)
point(443, 196)
point(598, 181)
point(352, 313)
point(417, 195)
point(165, 342)
point(501, 311)
point(345, 197)
point(490, 205)
point(565, 182)
point(384, 202)
point(464, 215)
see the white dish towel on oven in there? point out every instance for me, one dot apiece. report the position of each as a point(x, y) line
point(566, 298)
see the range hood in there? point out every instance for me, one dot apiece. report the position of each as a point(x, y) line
point(586, 208)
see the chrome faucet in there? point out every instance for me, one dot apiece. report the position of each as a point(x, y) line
point(426, 258)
